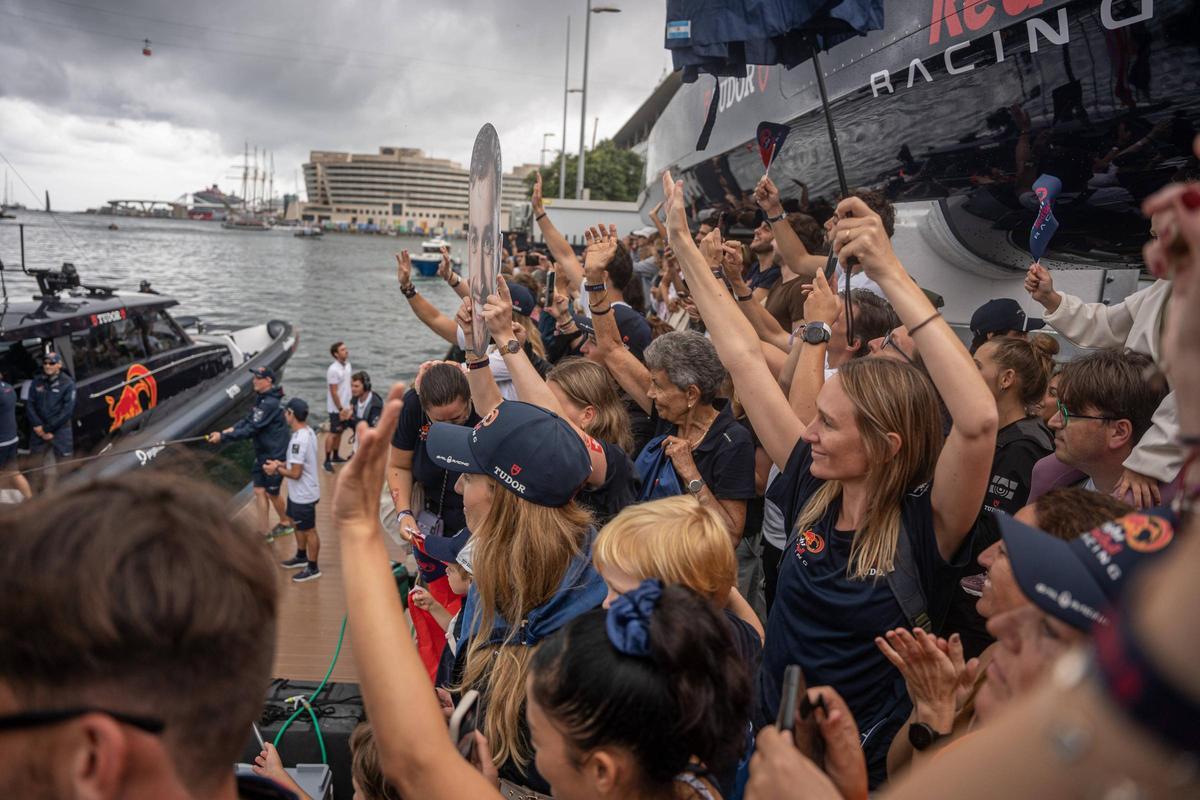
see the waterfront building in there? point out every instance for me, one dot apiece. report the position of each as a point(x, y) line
point(399, 188)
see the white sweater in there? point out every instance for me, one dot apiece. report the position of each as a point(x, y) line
point(1136, 324)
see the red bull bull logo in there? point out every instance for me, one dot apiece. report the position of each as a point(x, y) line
point(129, 404)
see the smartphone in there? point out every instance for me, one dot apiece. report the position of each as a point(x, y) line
point(793, 683)
point(258, 735)
point(550, 280)
point(830, 268)
point(464, 721)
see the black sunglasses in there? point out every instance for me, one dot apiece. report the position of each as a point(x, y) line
point(889, 341)
point(40, 719)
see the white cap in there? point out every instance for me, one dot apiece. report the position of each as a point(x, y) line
point(464, 556)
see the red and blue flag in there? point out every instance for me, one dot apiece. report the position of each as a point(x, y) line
point(770, 141)
point(1046, 187)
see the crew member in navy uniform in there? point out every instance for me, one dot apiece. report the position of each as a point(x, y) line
point(51, 409)
point(266, 426)
point(8, 442)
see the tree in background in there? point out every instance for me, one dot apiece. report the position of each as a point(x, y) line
point(610, 173)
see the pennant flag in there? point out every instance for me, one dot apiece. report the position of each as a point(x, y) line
point(770, 141)
point(1046, 187)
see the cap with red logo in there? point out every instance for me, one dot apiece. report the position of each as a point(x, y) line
point(1077, 581)
point(528, 450)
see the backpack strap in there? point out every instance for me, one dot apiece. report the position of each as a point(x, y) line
point(905, 582)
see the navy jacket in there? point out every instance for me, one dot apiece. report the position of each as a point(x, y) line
point(8, 414)
point(265, 425)
point(373, 412)
point(51, 402)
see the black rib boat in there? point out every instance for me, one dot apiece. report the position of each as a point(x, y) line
point(142, 377)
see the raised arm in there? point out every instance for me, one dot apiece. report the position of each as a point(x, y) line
point(435, 320)
point(531, 388)
point(560, 248)
point(793, 252)
point(485, 394)
point(410, 732)
point(821, 305)
point(453, 279)
point(965, 463)
point(658, 223)
point(734, 337)
point(630, 374)
point(765, 325)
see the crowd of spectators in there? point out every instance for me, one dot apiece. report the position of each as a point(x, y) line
point(649, 497)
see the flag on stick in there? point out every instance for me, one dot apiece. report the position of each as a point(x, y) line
point(770, 141)
point(1046, 187)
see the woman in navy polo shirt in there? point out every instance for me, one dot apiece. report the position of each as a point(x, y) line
point(870, 465)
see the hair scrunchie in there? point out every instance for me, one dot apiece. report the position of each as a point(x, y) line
point(628, 622)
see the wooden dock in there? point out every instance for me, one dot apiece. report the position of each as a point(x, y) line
point(310, 613)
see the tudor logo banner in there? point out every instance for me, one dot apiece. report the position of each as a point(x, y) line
point(1046, 188)
point(770, 141)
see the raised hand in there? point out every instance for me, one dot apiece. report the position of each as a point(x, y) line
point(731, 261)
point(600, 250)
point(498, 312)
point(561, 309)
point(465, 319)
point(928, 671)
point(445, 268)
point(766, 194)
point(675, 208)
point(710, 248)
point(822, 303)
point(536, 199)
point(859, 235)
point(356, 493)
point(1040, 286)
point(404, 269)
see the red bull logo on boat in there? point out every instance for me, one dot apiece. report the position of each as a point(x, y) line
point(139, 383)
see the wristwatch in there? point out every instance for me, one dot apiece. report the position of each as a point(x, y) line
point(921, 736)
point(695, 486)
point(512, 346)
point(782, 215)
point(817, 333)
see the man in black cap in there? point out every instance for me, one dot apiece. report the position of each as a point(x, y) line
point(51, 409)
point(265, 425)
point(1001, 317)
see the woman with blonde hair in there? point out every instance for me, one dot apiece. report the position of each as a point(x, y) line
point(678, 541)
point(878, 506)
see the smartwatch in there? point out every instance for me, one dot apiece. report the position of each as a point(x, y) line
point(817, 333)
point(695, 486)
point(921, 736)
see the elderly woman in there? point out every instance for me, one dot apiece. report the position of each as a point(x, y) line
point(712, 456)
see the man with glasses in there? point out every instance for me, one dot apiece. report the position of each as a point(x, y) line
point(1106, 401)
point(51, 409)
point(144, 679)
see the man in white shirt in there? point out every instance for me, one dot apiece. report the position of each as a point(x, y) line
point(303, 490)
point(337, 401)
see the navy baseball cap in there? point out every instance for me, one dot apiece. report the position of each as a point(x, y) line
point(1003, 314)
point(263, 372)
point(52, 358)
point(584, 324)
point(634, 330)
point(445, 548)
point(298, 407)
point(1077, 581)
point(522, 299)
point(528, 450)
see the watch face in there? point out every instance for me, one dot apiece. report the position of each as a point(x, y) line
point(513, 345)
point(920, 735)
point(815, 334)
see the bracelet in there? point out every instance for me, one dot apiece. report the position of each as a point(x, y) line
point(779, 218)
point(480, 364)
point(913, 330)
point(457, 280)
point(565, 328)
point(409, 291)
point(1132, 682)
point(407, 511)
point(539, 217)
point(595, 287)
point(596, 313)
point(741, 298)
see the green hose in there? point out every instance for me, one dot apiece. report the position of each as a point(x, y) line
point(306, 705)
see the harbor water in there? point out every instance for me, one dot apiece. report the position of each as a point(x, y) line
point(340, 287)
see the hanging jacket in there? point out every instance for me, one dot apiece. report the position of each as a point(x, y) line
point(265, 425)
point(51, 402)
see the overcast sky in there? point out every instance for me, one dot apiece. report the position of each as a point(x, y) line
point(84, 114)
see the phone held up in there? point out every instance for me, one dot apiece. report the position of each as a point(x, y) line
point(464, 721)
point(550, 280)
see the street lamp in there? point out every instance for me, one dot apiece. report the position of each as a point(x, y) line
point(587, 32)
point(542, 157)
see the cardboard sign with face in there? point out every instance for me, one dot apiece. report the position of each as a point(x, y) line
point(483, 234)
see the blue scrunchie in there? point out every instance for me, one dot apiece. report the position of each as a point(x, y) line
point(628, 622)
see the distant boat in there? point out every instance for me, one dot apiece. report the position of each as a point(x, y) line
point(112, 226)
point(309, 233)
point(246, 223)
point(431, 256)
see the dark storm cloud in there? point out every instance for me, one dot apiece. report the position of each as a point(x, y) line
point(352, 74)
